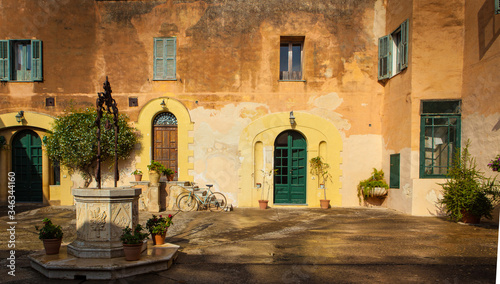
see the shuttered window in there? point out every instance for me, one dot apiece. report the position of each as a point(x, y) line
point(395, 169)
point(497, 6)
point(21, 60)
point(393, 52)
point(164, 58)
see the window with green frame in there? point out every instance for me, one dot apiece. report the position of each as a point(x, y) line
point(20, 60)
point(164, 58)
point(439, 137)
point(393, 52)
point(497, 6)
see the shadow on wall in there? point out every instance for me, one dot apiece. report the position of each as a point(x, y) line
point(488, 28)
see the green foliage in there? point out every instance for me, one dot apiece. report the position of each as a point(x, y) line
point(365, 186)
point(467, 189)
point(169, 171)
point(320, 169)
point(73, 141)
point(159, 225)
point(158, 167)
point(49, 230)
point(136, 236)
point(137, 172)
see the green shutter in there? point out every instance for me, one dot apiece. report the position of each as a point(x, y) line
point(4, 60)
point(394, 171)
point(497, 6)
point(159, 61)
point(36, 57)
point(384, 57)
point(404, 45)
point(170, 58)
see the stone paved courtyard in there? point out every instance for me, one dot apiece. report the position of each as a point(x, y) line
point(295, 245)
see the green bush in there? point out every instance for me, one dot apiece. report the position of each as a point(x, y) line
point(49, 230)
point(136, 236)
point(467, 189)
point(73, 141)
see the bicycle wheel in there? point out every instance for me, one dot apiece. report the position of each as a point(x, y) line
point(187, 203)
point(216, 201)
point(179, 198)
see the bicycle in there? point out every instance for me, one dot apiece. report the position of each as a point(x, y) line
point(214, 201)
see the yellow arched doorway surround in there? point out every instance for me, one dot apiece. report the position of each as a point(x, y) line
point(184, 125)
point(40, 124)
point(256, 146)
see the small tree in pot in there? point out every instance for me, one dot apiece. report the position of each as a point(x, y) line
point(320, 169)
point(467, 194)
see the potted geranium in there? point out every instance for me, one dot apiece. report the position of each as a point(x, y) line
point(156, 169)
point(51, 235)
point(170, 174)
point(374, 186)
point(320, 169)
point(137, 174)
point(133, 241)
point(158, 227)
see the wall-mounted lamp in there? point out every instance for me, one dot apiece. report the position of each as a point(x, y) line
point(19, 116)
point(292, 118)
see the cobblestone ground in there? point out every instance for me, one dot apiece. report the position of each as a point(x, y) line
point(339, 245)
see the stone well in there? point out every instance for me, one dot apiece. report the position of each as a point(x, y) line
point(101, 214)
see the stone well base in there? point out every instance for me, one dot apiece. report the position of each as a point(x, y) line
point(65, 266)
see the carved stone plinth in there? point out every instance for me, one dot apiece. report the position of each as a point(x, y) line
point(101, 214)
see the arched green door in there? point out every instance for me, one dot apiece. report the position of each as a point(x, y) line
point(290, 161)
point(27, 165)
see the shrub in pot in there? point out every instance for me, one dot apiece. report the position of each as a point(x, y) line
point(320, 169)
point(158, 227)
point(137, 174)
point(467, 194)
point(51, 235)
point(156, 169)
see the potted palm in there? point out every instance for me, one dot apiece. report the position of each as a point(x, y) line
point(374, 186)
point(137, 174)
point(132, 242)
point(320, 169)
point(158, 227)
point(266, 176)
point(467, 194)
point(156, 169)
point(51, 235)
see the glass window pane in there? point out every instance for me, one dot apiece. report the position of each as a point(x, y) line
point(296, 57)
point(284, 57)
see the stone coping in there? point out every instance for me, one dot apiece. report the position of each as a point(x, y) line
point(107, 192)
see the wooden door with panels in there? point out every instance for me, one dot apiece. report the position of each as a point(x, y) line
point(165, 141)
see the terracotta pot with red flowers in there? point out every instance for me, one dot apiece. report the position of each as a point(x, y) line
point(158, 227)
point(132, 242)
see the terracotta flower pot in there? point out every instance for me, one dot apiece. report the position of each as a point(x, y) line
point(170, 177)
point(154, 178)
point(469, 218)
point(159, 239)
point(52, 246)
point(324, 203)
point(132, 252)
point(263, 204)
point(138, 177)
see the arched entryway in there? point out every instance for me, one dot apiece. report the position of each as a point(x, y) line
point(27, 166)
point(290, 161)
point(165, 140)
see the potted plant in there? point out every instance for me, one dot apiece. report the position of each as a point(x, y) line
point(158, 227)
point(467, 194)
point(132, 242)
point(137, 174)
point(156, 169)
point(266, 175)
point(320, 169)
point(170, 174)
point(51, 235)
point(374, 186)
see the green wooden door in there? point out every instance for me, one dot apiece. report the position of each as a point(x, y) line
point(290, 161)
point(27, 165)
